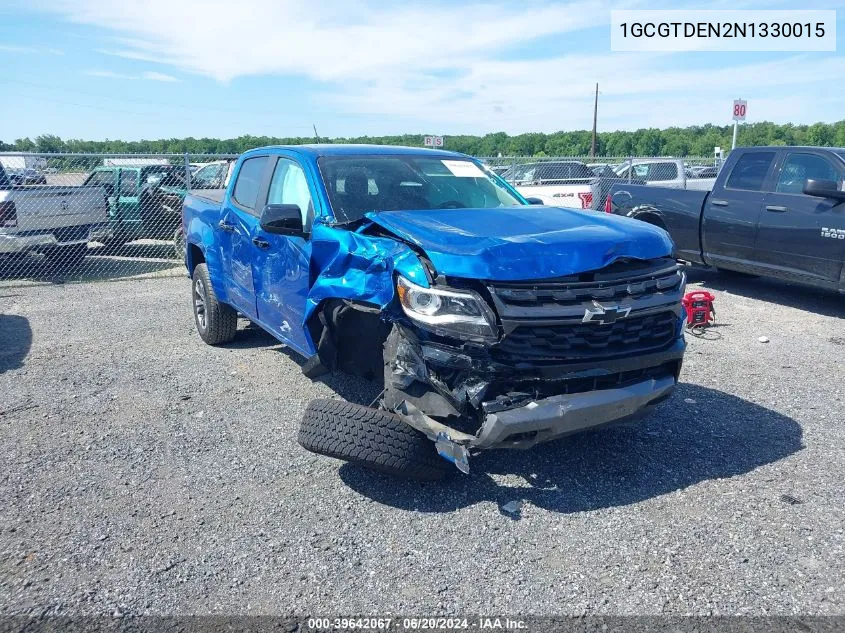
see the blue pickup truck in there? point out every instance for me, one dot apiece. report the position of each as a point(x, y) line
point(490, 321)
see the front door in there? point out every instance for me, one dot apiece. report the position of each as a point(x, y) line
point(280, 262)
point(799, 234)
point(731, 212)
point(237, 228)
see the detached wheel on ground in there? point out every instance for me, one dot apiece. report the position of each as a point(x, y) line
point(216, 322)
point(371, 438)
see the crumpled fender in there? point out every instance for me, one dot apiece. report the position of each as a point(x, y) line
point(350, 265)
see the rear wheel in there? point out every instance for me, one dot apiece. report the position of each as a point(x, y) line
point(372, 438)
point(216, 322)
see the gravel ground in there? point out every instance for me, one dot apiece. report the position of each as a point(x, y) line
point(144, 472)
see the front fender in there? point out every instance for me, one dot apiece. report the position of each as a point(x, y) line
point(351, 265)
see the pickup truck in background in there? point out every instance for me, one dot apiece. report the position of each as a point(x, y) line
point(773, 211)
point(145, 201)
point(662, 172)
point(571, 184)
point(55, 221)
point(484, 321)
point(557, 183)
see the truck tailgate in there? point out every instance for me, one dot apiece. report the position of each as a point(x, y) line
point(47, 207)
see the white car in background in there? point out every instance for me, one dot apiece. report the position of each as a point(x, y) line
point(557, 183)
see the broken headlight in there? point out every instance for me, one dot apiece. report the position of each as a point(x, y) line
point(464, 315)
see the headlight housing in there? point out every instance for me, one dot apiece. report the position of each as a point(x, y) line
point(463, 314)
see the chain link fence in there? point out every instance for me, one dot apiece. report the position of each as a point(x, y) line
point(87, 217)
point(90, 217)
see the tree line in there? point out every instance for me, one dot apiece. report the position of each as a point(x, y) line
point(697, 140)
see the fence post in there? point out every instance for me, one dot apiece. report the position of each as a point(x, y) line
point(630, 168)
point(513, 169)
point(187, 173)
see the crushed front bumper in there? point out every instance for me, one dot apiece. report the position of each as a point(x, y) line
point(550, 418)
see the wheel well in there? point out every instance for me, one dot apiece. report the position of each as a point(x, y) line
point(195, 257)
point(651, 218)
point(350, 338)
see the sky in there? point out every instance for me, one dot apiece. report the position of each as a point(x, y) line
point(96, 69)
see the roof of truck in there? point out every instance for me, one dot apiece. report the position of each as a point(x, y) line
point(358, 150)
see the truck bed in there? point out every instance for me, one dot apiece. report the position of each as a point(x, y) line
point(676, 210)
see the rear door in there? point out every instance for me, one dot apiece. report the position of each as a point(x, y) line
point(280, 262)
point(732, 210)
point(237, 226)
point(796, 234)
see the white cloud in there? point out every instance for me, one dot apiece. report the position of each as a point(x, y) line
point(29, 50)
point(155, 76)
point(148, 75)
point(326, 41)
point(448, 65)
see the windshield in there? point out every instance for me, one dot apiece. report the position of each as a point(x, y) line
point(358, 184)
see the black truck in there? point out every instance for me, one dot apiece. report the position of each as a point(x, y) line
point(773, 211)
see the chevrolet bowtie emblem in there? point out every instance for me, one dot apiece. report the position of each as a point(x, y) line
point(605, 314)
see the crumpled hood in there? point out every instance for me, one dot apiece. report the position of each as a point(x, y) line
point(523, 243)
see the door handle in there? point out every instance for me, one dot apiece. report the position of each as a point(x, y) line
point(261, 243)
point(225, 226)
point(777, 209)
point(719, 203)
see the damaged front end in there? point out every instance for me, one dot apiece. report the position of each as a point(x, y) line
point(570, 354)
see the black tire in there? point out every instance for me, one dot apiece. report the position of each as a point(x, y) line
point(372, 438)
point(65, 257)
point(216, 322)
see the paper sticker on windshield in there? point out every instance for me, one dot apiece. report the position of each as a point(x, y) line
point(463, 168)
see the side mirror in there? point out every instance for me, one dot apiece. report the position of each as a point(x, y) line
point(534, 201)
point(282, 219)
point(824, 189)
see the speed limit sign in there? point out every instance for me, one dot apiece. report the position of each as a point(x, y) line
point(740, 108)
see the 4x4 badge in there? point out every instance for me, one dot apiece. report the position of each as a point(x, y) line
point(605, 314)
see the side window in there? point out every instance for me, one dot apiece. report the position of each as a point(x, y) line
point(102, 178)
point(290, 186)
point(800, 167)
point(750, 171)
point(662, 171)
point(128, 182)
point(249, 181)
point(640, 171)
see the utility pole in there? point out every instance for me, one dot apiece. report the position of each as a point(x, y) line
point(595, 118)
